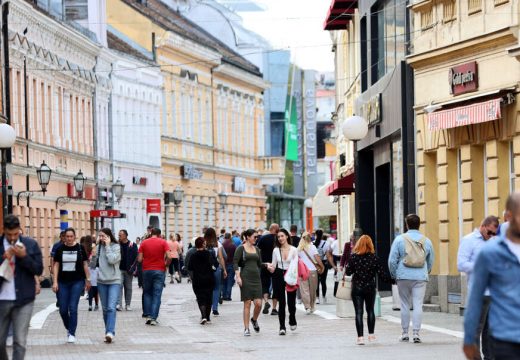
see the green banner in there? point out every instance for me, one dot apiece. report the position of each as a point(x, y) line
point(291, 130)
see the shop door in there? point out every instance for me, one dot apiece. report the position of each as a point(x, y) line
point(383, 217)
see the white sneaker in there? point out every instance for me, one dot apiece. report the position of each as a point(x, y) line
point(109, 337)
point(324, 299)
point(308, 311)
point(9, 341)
point(317, 299)
point(71, 339)
point(298, 301)
point(128, 308)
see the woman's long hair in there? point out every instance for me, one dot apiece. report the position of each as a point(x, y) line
point(305, 241)
point(108, 232)
point(364, 245)
point(276, 243)
point(210, 235)
point(319, 237)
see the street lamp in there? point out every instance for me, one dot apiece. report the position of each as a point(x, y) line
point(354, 129)
point(7, 140)
point(118, 188)
point(178, 196)
point(222, 197)
point(44, 176)
point(79, 183)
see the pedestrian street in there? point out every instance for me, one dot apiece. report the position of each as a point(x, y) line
point(180, 336)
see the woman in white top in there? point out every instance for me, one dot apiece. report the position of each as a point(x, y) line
point(309, 255)
point(283, 254)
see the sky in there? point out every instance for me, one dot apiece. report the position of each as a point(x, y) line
point(297, 25)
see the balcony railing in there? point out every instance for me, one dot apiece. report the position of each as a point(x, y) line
point(272, 165)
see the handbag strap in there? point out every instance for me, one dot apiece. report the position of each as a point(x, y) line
point(312, 261)
point(281, 257)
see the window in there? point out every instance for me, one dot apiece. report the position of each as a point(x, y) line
point(76, 9)
point(448, 11)
point(364, 53)
point(377, 42)
point(474, 6)
point(173, 117)
point(427, 19)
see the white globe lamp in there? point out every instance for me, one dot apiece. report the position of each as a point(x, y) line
point(354, 128)
point(7, 136)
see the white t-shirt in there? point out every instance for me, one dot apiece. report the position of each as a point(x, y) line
point(322, 248)
point(277, 260)
point(8, 289)
point(335, 248)
point(311, 250)
point(514, 247)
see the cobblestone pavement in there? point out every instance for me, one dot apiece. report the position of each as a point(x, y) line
point(179, 335)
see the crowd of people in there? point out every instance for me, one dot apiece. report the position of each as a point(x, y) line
point(274, 269)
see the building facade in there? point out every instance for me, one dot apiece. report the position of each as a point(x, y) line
point(52, 114)
point(466, 109)
point(212, 106)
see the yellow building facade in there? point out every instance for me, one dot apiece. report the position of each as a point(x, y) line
point(211, 116)
point(467, 133)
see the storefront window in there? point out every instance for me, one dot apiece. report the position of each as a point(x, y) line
point(398, 198)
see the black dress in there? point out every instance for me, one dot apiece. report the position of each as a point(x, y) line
point(203, 280)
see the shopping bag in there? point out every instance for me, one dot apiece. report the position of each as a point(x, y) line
point(6, 271)
point(291, 275)
point(345, 289)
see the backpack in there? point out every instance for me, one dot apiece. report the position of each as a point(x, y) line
point(321, 250)
point(415, 252)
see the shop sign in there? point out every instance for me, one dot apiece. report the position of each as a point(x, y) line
point(239, 184)
point(153, 206)
point(137, 180)
point(105, 213)
point(463, 78)
point(372, 110)
point(188, 172)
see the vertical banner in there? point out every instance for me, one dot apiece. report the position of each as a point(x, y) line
point(291, 130)
point(298, 164)
point(311, 156)
point(64, 219)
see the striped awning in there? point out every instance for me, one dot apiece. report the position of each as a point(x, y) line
point(465, 115)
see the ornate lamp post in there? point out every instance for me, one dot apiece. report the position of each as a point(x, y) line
point(7, 140)
point(354, 129)
point(118, 189)
point(178, 196)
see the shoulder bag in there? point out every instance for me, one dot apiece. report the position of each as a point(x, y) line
point(345, 289)
point(319, 267)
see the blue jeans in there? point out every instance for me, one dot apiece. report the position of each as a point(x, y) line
point(216, 290)
point(153, 283)
point(109, 294)
point(228, 282)
point(19, 317)
point(68, 296)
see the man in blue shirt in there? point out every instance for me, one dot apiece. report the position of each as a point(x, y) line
point(411, 281)
point(469, 249)
point(236, 238)
point(497, 269)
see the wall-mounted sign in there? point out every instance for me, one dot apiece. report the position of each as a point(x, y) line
point(137, 180)
point(239, 184)
point(463, 78)
point(372, 110)
point(153, 206)
point(105, 214)
point(188, 172)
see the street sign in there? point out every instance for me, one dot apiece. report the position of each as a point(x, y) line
point(153, 206)
point(105, 214)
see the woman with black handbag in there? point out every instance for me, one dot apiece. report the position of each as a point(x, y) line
point(364, 265)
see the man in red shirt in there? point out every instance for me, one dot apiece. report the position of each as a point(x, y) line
point(154, 254)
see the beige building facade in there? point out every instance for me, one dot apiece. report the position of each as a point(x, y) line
point(467, 133)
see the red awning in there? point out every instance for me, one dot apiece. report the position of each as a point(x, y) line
point(465, 115)
point(343, 186)
point(340, 12)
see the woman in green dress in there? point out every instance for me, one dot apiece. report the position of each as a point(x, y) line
point(247, 263)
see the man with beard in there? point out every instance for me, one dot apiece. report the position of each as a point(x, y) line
point(496, 269)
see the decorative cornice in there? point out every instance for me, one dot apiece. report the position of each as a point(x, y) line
point(241, 76)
